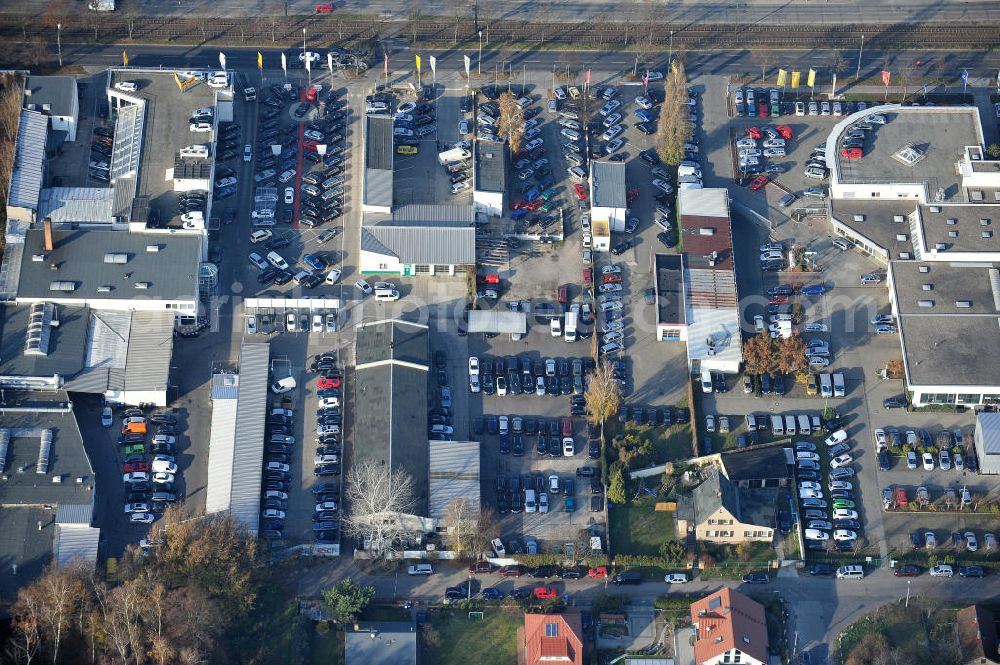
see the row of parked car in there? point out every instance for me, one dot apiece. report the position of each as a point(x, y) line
point(845, 525)
point(946, 451)
point(149, 467)
point(327, 457)
point(516, 376)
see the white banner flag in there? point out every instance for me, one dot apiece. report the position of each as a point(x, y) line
point(468, 64)
point(329, 62)
point(284, 64)
point(433, 65)
point(222, 60)
point(308, 64)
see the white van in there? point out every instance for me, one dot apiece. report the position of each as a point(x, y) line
point(387, 296)
point(804, 426)
point(529, 501)
point(706, 381)
point(555, 326)
point(194, 151)
point(825, 385)
point(777, 425)
point(850, 572)
point(789, 425)
point(218, 80)
point(688, 171)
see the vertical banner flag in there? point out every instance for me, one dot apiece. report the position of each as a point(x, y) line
point(418, 64)
point(125, 62)
point(329, 62)
point(795, 79)
point(965, 79)
point(260, 61)
point(998, 80)
point(385, 65)
point(433, 63)
point(222, 61)
point(284, 64)
point(586, 82)
point(309, 64)
point(885, 77)
point(811, 80)
point(468, 65)
point(782, 75)
point(645, 79)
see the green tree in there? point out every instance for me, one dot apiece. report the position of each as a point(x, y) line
point(993, 150)
point(673, 551)
point(346, 600)
point(616, 488)
point(675, 128)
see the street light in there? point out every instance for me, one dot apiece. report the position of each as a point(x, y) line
point(59, 41)
point(857, 74)
point(479, 65)
point(670, 58)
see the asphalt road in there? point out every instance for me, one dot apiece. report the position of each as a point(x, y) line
point(683, 11)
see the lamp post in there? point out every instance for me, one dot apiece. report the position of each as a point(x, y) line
point(857, 74)
point(670, 57)
point(305, 58)
point(59, 41)
point(479, 65)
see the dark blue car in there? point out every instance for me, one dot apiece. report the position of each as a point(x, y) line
point(492, 593)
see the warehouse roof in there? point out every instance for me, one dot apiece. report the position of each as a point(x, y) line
point(392, 340)
point(29, 161)
point(491, 167)
point(607, 185)
point(66, 345)
point(382, 643)
point(91, 260)
point(422, 244)
point(248, 449)
point(150, 346)
point(454, 473)
point(378, 142)
point(58, 93)
point(68, 205)
point(496, 321)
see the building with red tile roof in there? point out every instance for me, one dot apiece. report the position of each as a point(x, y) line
point(552, 639)
point(731, 629)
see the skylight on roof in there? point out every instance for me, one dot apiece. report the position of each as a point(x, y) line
point(909, 155)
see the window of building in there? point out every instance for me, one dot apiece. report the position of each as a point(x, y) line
point(991, 399)
point(551, 630)
point(383, 266)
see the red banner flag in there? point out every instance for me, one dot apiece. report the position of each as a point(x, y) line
point(885, 77)
point(645, 79)
point(587, 81)
point(385, 65)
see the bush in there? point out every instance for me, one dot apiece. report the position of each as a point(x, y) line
point(674, 602)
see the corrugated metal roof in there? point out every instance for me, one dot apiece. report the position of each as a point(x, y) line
point(711, 202)
point(433, 215)
point(378, 188)
point(93, 380)
point(74, 514)
point(491, 167)
point(225, 386)
point(127, 149)
point(124, 188)
point(150, 344)
point(66, 205)
point(453, 474)
point(220, 455)
point(378, 142)
point(491, 320)
point(248, 455)
point(76, 543)
point(988, 428)
point(107, 339)
point(29, 161)
point(607, 184)
point(370, 243)
point(430, 245)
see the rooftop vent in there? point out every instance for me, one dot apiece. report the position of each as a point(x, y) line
point(924, 269)
point(963, 304)
point(952, 234)
point(927, 287)
point(925, 303)
point(859, 218)
point(152, 248)
point(951, 221)
point(46, 107)
point(57, 480)
point(116, 258)
point(986, 234)
point(104, 288)
point(142, 285)
point(901, 237)
point(37, 258)
point(935, 208)
point(905, 256)
point(898, 218)
point(44, 450)
point(984, 221)
point(706, 231)
point(62, 286)
point(940, 246)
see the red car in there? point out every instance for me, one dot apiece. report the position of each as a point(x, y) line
point(588, 275)
point(481, 567)
point(784, 131)
point(512, 571)
point(581, 191)
point(545, 593)
point(755, 133)
point(535, 205)
point(135, 466)
point(631, 195)
point(309, 145)
point(488, 279)
point(852, 153)
point(612, 279)
point(762, 110)
point(759, 182)
point(600, 571)
point(311, 94)
point(901, 500)
point(325, 8)
point(777, 300)
point(327, 382)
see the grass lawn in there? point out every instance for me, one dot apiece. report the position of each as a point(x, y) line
point(916, 631)
point(454, 639)
point(636, 528)
point(670, 444)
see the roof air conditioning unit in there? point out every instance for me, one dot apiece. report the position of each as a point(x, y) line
point(927, 287)
point(952, 234)
point(925, 303)
point(940, 246)
point(963, 304)
point(935, 208)
point(905, 256)
point(57, 480)
point(706, 231)
point(142, 285)
point(116, 258)
point(859, 218)
point(37, 258)
point(924, 268)
point(987, 234)
point(31, 107)
point(951, 221)
point(901, 237)
point(898, 218)
point(152, 248)
point(46, 107)
point(984, 221)
point(104, 288)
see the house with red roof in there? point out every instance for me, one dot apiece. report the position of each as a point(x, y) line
point(730, 629)
point(552, 639)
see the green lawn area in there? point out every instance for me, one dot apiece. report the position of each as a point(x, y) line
point(636, 528)
point(670, 444)
point(454, 639)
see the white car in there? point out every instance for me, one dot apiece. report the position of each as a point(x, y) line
point(136, 508)
point(274, 513)
point(611, 269)
point(810, 494)
point(928, 460)
point(332, 277)
point(329, 402)
point(971, 543)
point(164, 466)
point(809, 485)
point(473, 366)
point(135, 477)
point(844, 534)
point(474, 383)
point(277, 466)
point(837, 437)
point(317, 323)
point(818, 361)
point(841, 461)
point(326, 505)
point(749, 152)
point(163, 478)
point(107, 419)
point(844, 514)
point(498, 548)
point(141, 518)
point(201, 127)
point(816, 534)
point(806, 455)
point(942, 570)
point(676, 578)
point(816, 327)
point(841, 485)
point(746, 142)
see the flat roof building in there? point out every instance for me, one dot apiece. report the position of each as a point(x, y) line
point(453, 474)
point(490, 177)
point(56, 97)
point(28, 176)
point(671, 308)
point(714, 338)
point(420, 239)
point(377, 194)
point(608, 194)
point(987, 442)
point(380, 643)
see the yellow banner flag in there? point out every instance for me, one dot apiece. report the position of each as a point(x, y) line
point(811, 81)
point(418, 63)
point(795, 79)
point(125, 58)
point(260, 60)
point(782, 75)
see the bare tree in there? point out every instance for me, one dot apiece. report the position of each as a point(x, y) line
point(487, 528)
point(460, 519)
point(379, 499)
point(675, 128)
point(604, 396)
point(511, 122)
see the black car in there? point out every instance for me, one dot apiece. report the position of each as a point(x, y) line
point(456, 592)
point(621, 247)
point(756, 578)
point(650, 157)
point(594, 450)
point(541, 572)
point(898, 402)
point(821, 569)
point(972, 571)
point(569, 573)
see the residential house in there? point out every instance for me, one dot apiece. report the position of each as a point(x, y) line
point(552, 639)
point(730, 629)
point(719, 512)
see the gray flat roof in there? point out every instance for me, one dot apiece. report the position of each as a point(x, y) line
point(59, 92)
point(25, 417)
point(381, 643)
point(670, 289)
point(378, 142)
point(67, 342)
point(960, 227)
point(607, 184)
point(944, 344)
point(497, 321)
point(491, 167)
point(248, 449)
point(171, 272)
point(430, 214)
point(940, 133)
point(381, 341)
point(24, 545)
point(878, 223)
point(378, 187)
point(453, 473)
